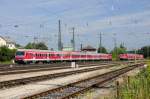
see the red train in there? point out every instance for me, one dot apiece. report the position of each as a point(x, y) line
point(45, 56)
point(130, 56)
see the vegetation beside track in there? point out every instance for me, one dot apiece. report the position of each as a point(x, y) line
point(6, 55)
point(6, 62)
point(137, 87)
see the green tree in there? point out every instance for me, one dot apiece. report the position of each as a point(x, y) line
point(40, 46)
point(118, 50)
point(6, 54)
point(30, 46)
point(102, 50)
point(145, 51)
point(122, 46)
point(18, 46)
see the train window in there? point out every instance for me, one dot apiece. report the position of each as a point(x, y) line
point(65, 55)
point(19, 53)
point(31, 54)
point(44, 55)
point(58, 55)
point(51, 55)
point(75, 55)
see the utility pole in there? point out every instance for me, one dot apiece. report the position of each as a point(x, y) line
point(35, 40)
point(100, 42)
point(59, 36)
point(81, 47)
point(73, 39)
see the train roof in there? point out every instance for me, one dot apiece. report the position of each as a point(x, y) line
point(34, 50)
point(47, 50)
point(64, 52)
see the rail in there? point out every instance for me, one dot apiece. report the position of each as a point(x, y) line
point(23, 81)
point(73, 89)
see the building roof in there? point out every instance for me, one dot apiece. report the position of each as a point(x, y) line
point(7, 39)
point(88, 48)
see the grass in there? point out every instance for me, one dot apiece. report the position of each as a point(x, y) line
point(137, 87)
point(6, 62)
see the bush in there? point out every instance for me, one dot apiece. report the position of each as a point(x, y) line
point(138, 87)
point(6, 54)
point(39, 45)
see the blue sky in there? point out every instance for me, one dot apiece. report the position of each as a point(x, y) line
point(126, 20)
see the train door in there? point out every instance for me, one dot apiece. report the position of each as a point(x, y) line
point(34, 56)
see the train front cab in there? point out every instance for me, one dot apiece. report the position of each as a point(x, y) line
point(19, 57)
point(123, 57)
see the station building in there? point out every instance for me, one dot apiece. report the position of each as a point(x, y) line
point(89, 49)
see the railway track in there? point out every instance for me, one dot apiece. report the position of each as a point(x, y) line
point(73, 89)
point(35, 68)
point(21, 70)
point(8, 72)
point(23, 81)
point(22, 67)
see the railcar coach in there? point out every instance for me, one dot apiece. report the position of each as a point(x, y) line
point(131, 56)
point(46, 56)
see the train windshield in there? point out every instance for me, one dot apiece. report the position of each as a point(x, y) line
point(20, 53)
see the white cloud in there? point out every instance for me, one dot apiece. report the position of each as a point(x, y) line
point(88, 17)
point(128, 20)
